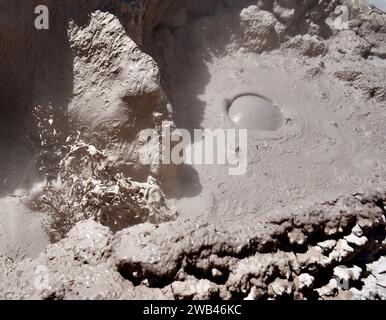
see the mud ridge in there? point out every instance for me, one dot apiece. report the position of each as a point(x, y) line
point(207, 262)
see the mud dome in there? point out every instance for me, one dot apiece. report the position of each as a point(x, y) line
point(76, 104)
point(251, 111)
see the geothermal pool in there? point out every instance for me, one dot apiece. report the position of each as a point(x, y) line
point(79, 101)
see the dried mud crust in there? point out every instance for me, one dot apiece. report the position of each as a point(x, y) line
point(299, 256)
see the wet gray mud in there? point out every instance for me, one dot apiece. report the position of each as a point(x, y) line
point(82, 217)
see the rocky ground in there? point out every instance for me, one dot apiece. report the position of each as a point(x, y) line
point(307, 222)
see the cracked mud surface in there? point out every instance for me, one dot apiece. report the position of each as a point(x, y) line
point(307, 221)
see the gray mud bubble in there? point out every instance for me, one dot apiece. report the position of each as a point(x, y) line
point(254, 112)
point(82, 217)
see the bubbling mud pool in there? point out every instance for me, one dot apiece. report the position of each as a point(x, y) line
point(307, 146)
point(311, 136)
point(254, 112)
point(75, 117)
